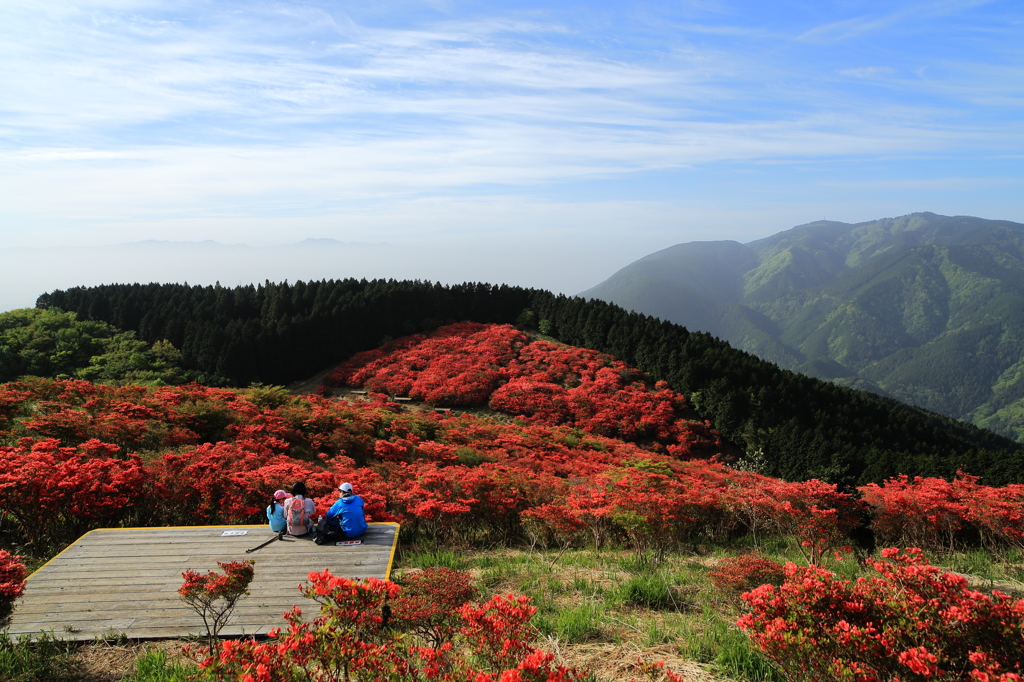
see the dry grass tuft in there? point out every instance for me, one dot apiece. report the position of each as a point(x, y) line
point(103, 662)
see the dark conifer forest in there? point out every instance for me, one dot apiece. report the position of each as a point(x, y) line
point(788, 424)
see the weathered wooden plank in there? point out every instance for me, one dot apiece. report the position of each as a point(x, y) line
point(133, 548)
point(186, 615)
point(156, 557)
point(300, 570)
point(170, 583)
point(277, 606)
point(79, 584)
point(170, 604)
point(114, 544)
point(307, 561)
point(175, 534)
point(304, 561)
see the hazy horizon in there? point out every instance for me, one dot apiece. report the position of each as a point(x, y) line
point(569, 269)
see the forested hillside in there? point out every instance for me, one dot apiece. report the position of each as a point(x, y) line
point(925, 308)
point(53, 343)
point(793, 426)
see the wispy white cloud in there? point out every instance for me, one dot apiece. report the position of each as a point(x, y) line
point(136, 182)
point(913, 14)
point(957, 184)
point(870, 72)
point(123, 114)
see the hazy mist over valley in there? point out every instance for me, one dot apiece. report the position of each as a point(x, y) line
point(564, 268)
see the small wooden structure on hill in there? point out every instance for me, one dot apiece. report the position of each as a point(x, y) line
point(126, 580)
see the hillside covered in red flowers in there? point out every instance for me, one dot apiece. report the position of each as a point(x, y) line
point(577, 449)
point(479, 435)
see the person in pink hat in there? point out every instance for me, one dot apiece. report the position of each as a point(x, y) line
point(275, 512)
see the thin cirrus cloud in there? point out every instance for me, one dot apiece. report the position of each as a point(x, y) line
point(142, 114)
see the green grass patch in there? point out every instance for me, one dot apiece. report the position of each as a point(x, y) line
point(427, 558)
point(649, 591)
point(641, 564)
point(738, 658)
point(977, 562)
point(46, 659)
point(580, 624)
point(154, 666)
point(637, 601)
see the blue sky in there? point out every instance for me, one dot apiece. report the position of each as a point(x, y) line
point(625, 126)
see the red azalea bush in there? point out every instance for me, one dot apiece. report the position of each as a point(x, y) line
point(459, 364)
point(12, 582)
point(736, 575)
point(55, 493)
point(214, 595)
point(430, 601)
point(470, 364)
point(912, 622)
point(941, 515)
point(817, 514)
point(348, 640)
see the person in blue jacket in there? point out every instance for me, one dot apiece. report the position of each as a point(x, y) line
point(275, 512)
point(347, 513)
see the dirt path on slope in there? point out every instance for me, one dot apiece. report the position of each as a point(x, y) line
point(309, 386)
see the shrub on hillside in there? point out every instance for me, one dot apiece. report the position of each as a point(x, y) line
point(430, 601)
point(214, 596)
point(911, 622)
point(736, 575)
point(940, 515)
point(348, 640)
point(12, 582)
point(54, 494)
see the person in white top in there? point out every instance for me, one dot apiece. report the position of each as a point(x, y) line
point(299, 511)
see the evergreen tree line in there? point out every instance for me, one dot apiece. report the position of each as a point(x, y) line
point(790, 425)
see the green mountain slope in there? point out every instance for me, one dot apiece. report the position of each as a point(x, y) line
point(925, 308)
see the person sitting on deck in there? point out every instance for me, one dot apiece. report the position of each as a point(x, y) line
point(299, 511)
point(275, 512)
point(346, 516)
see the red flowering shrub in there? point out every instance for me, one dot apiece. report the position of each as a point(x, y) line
point(912, 622)
point(214, 595)
point(56, 493)
point(460, 364)
point(430, 601)
point(923, 512)
point(546, 401)
point(227, 482)
point(499, 630)
point(347, 641)
point(12, 582)
point(553, 524)
point(736, 575)
point(813, 512)
point(939, 515)
point(654, 510)
point(471, 364)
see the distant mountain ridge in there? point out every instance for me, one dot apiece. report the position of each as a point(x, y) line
point(925, 308)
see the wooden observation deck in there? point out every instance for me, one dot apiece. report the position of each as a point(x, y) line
point(126, 580)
